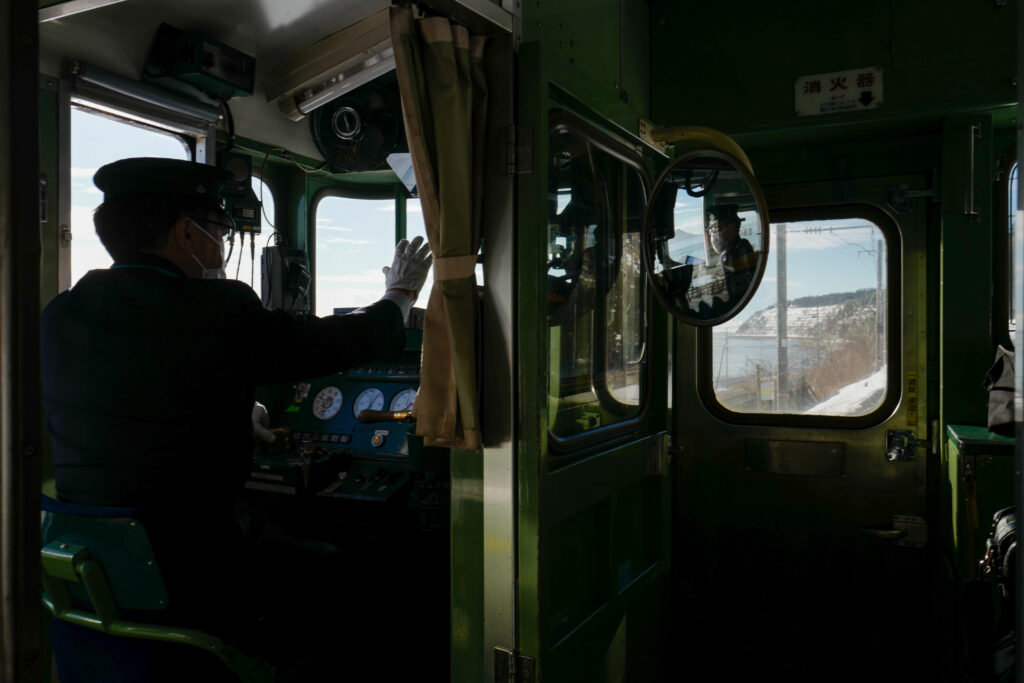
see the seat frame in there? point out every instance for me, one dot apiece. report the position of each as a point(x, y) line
point(67, 561)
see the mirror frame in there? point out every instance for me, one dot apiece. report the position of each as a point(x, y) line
point(666, 300)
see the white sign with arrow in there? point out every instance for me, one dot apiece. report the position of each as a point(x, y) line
point(839, 91)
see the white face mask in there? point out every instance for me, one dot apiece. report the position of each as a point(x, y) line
point(218, 272)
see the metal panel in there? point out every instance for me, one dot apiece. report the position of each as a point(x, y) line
point(586, 482)
point(966, 355)
point(64, 184)
point(498, 393)
point(931, 63)
point(21, 657)
point(803, 458)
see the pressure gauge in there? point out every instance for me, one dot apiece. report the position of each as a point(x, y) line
point(403, 400)
point(327, 403)
point(368, 399)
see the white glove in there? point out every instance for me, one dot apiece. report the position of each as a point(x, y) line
point(410, 267)
point(260, 423)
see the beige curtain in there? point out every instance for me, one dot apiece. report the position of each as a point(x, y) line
point(444, 102)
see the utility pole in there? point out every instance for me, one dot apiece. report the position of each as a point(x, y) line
point(781, 298)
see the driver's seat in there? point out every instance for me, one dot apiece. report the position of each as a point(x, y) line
point(103, 586)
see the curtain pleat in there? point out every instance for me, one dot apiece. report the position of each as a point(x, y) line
point(444, 101)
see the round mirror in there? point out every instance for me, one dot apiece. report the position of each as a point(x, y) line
point(705, 237)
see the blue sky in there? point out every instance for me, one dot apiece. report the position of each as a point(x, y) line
point(354, 237)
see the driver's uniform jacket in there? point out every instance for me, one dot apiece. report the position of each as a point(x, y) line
point(149, 380)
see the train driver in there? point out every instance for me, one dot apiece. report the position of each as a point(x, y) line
point(150, 369)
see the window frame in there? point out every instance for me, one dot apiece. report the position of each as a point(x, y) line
point(1002, 259)
point(893, 330)
point(617, 432)
point(95, 106)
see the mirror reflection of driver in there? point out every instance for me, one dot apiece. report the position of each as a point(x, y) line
point(716, 285)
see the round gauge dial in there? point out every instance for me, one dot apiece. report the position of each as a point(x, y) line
point(368, 399)
point(403, 400)
point(327, 403)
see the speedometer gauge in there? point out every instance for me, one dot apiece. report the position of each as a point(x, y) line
point(368, 399)
point(403, 400)
point(327, 403)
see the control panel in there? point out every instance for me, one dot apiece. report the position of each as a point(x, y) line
point(346, 448)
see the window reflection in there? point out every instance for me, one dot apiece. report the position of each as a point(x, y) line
point(595, 289)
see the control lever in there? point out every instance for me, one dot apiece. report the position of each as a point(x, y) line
point(368, 416)
point(306, 457)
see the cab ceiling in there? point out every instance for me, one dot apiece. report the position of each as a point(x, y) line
point(117, 37)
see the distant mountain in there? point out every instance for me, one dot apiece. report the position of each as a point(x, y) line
point(842, 315)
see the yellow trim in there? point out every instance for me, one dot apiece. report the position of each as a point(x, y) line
point(686, 137)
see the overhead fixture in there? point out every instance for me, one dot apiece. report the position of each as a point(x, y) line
point(114, 89)
point(60, 10)
point(331, 67)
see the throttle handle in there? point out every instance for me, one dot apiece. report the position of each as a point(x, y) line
point(368, 416)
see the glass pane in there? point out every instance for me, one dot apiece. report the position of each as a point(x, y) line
point(241, 265)
point(414, 226)
point(355, 239)
point(596, 316)
point(823, 351)
point(97, 141)
point(1013, 208)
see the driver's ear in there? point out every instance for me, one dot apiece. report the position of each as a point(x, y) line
point(182, 232)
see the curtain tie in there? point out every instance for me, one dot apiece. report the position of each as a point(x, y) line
point(454, 267)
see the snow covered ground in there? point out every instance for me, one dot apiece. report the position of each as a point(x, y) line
point(858, 398)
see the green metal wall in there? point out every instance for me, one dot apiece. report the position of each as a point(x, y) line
point(733, 65)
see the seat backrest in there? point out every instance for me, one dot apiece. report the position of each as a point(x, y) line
point(117, 540)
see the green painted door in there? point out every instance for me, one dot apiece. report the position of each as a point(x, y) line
point(593, 499)
point(802, 515)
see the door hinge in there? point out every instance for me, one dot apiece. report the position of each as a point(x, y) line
point(512, 667)
point(511, 150)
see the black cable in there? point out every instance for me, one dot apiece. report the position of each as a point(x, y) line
point(252, 261)
point(241, 245)
point(231, 248)
point(230, 120)
point(263, 208)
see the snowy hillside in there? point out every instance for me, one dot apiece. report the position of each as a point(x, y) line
point(815, 317)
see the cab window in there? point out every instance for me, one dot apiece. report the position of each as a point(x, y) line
point(99, 139)
point(596, 296)
point(354, 240)
point(415, 226)
point(814, 339)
